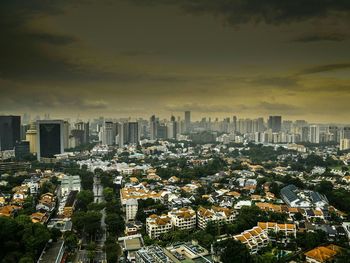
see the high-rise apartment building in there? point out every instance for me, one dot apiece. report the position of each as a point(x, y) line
point(108, 133)
point(10, 132)
point(50, 140)
point(314, 134)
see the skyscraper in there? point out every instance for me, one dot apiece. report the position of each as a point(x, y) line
point(275, 123)
point(10, 132)
point(108, 133)
point(133, 133)
point(153, 122)
point(50, 138)
point(187, 121)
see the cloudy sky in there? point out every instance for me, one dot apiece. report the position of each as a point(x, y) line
point(138, 57)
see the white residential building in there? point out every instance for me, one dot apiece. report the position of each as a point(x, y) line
point(158, 225)
point(183, 218)
point(70, 183)
point(216, 215)
point(131, 207)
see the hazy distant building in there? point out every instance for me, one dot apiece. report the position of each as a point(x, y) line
point(85, 127)
point(314, 134)
point(187, 121)
point(275, 123)
point(344, 144)
point(123, 133)
point(108, 133)
point(172, 128)
point(153, 123)
point(334, 132)
point(234, 124)
point(305, 131)
point(345, 132)
point(50, 140)
point(10, 132)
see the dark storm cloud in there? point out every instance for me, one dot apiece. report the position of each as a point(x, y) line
point(268, 11)
point(324, 68)
point(283, 81)
point(321, 37)
point(21, 47)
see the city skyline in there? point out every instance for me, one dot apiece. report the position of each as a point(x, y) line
point(126, 57)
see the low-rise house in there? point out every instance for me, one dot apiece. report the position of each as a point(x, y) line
point(46, 203)
point(38, 217)
point(9, 210)
point(322, 254)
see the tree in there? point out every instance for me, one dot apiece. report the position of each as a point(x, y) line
point(55, 234)
point(108, 194)
point(115, 223)
point(84, 198)
point(112, 249)
point(231, 250)
point(70, 241)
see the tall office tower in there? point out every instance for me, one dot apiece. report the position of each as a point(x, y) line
point(153, 122)
point(162, 131)
point(10, 132)
point(304, 135)
point(275, 123)
point(108, 133)
point(133, 133)
point(225, 125)
point(85, 127)
point(314, 134)
point(66, 133)
point(50, 140)
point(346, 132)
point(31, 137)
point(334, 132)
point(187, 121)
point(234, 124)
point(121, 134)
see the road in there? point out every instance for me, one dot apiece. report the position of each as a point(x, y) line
point(98, 190)
point(100, 255)
point(100, 242)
